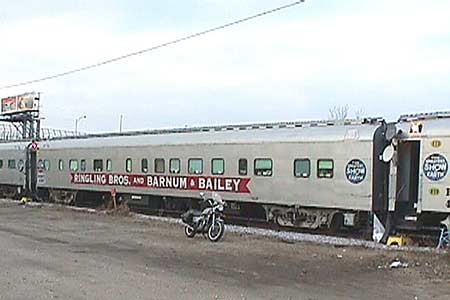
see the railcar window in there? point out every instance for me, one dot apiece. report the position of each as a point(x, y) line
point(195, 166)
point(1, 163)
point(61, 165)
point(108, 165)
point(159, 165)
point(144, 165)
point(73, 165)
point(242, 166)
point(263, 167)
point(174, 165)
point(11, 164)
point(98, 165)
point(46, 164)
point(325, 168)
point(217, 166)
point(20, 165)
point(302, 168)
point(83, 165)
point(129, 165)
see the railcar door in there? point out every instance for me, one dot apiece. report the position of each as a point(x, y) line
point(381, 169)
point(407, 187)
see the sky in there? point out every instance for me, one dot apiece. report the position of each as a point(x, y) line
point(382, 58)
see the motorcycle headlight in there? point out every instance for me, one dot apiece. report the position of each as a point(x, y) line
point(220, 208)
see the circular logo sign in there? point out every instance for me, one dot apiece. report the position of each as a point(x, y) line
point(355, 171)
point(435, 167)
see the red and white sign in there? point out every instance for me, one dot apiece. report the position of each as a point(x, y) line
point(195, 183)
point(20, 103)
point(34, 146)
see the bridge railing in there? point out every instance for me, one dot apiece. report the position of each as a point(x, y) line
point(10, 133)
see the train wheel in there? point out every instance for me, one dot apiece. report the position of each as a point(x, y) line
point(282, 221)
point(337, 223)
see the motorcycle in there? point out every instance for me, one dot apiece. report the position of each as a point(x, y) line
point(208, 220)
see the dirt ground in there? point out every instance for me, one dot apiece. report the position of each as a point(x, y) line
point(56, 253)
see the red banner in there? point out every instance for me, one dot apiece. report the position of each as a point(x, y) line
point(196, 183)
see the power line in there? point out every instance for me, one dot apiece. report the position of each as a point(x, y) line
point(198, 34)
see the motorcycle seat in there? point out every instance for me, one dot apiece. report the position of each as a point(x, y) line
point(196, 213)
point(192, 213)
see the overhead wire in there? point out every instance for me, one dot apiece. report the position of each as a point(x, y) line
point(166, 44)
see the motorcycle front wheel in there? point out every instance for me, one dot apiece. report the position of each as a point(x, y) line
point(189, 231)
point(215, 231)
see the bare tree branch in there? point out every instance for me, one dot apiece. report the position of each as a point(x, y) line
point(338, 112)
point(359, 113)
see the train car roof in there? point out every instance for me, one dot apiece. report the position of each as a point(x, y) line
point(361, 130)
point(435, 124)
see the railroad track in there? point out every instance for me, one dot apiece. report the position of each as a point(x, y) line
point(427, 240)
point(258, 223)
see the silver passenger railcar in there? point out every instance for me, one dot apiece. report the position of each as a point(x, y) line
point(300, 174)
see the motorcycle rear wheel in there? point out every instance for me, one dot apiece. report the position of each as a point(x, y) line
point(215, 232)
point(189, 231)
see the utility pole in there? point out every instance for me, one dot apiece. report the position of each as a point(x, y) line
point(76, 123)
